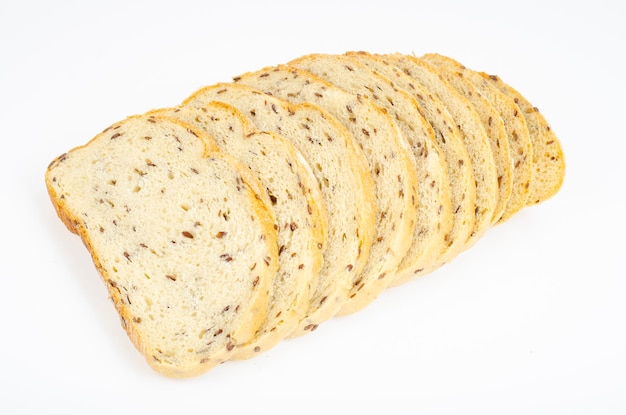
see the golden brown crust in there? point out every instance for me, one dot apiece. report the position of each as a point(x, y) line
point(547, 157)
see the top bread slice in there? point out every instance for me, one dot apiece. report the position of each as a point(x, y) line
point(297, 204)
point(547, 153)
point(189, 271)
point(353, 76)
point(520, 146)
point(473, 134)
point(340, 168)
point(494, 126)
point(390, 161)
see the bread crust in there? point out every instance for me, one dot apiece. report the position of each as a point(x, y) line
point(547, 155)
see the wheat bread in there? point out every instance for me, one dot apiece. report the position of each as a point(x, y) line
point(547, 153)
point(473, 134)
point(390, 161)
point(297, 204)
point(181, 234)
point(494, 127)
point(340, 168)
point(520, 146)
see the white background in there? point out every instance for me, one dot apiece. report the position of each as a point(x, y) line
point(531, 320)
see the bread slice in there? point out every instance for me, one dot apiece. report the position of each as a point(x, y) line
point(493, 124)
point(340, 168)
point(189, 271)
point(473, 134)
point(547, 154)
point(391, 163)
point(356, 78)
point(456, 205)
point(297, 204)
point(520, 146)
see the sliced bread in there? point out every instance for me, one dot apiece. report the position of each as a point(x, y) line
point(391, 164)
point(520, 146)
point(297, 204)
point(494, 126)
point(473, 134)
point(182, 236)
point(547, 154)
point(460, 184)
point(353, 76)
point(340, 168)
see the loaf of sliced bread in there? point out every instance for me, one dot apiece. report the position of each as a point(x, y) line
point(258, 209)
point(520, 146)
point(340, 168)
point(391, 164)
point(297, 204)
point(473, 134)
point(547, 155)
point(493, 124)
point(182, 236)
point(353, 76)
